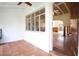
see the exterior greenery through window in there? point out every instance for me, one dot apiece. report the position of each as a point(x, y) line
point(36, 21)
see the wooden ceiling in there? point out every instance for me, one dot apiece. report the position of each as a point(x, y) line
point(61, 8)
point(66, 7)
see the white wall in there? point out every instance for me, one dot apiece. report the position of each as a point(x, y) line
point(12, 24)
point(41, 39)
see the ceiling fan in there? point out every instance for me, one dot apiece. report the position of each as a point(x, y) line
point(28, 3)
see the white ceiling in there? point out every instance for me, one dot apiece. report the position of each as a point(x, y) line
point(14, 4)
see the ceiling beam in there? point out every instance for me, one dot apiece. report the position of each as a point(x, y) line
point(60, 3)
point(66, 7)
point(56, 12)
point(59, 8)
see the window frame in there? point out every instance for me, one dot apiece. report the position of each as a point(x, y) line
point(35, 15)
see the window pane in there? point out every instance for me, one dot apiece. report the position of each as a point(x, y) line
point(32, 15)
point(36, 13)
point(37, 23)
point(60, 27)
point(28, 24)
point(28, 16)
point(42, 22)
point(32, 24)
point(42, 11)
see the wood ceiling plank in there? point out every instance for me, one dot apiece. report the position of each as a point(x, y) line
point(66, 7)
point(55, 11)
point(63, 8)
point(59, 8)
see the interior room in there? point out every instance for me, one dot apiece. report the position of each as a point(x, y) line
point(65, 39)
point(38, 29)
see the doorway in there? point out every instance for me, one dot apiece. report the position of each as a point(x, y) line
point(65, 28)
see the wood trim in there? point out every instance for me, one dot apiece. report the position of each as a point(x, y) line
point(74, 10)
point(59, 8)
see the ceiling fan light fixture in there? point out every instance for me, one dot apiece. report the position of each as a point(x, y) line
point(23, 5)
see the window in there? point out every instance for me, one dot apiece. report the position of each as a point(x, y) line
point(36, 21)
point(32, 21)
point(0, 33)
point(28, 22)
point(42, 21)
point(60, 27)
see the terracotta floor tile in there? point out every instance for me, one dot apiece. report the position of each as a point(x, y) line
point(20, 48)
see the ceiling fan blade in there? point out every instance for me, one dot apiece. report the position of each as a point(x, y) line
point(28, 3)
point(19, 3)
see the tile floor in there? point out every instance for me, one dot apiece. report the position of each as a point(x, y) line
point(20, 48)
point(23, 48)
